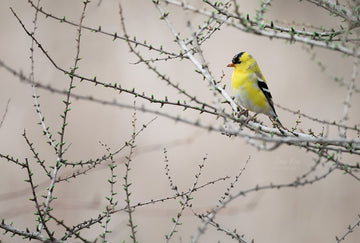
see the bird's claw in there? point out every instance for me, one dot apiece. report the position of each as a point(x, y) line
point(250, 118)
point(244, 112)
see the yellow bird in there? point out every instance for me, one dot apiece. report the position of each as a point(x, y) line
point(249, 86)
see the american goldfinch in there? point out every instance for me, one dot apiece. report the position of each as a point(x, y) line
point(249, 86)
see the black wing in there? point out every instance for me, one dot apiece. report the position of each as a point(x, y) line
point(264, 88)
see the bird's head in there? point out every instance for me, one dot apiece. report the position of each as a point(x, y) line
point(242, 57)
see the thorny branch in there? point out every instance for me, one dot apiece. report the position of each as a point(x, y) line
point(349, 95)
point(350, 229)
point(352, 144)
point(256, 134)
point(247, 25)
point(209, 217)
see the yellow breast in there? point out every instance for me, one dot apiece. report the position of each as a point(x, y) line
point(247, 92)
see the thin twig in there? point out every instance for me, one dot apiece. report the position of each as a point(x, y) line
point(348, 96)
point(185, 203)
point(26, 234)
point(41, 213)
point(36, 155)
point(350, 229)
point(68, 229)
point(127, 184)
point(111, 201)
point(208, 218)
point(5, 113)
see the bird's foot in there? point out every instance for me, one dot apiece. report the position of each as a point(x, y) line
point(244, 112)
point(250, 118)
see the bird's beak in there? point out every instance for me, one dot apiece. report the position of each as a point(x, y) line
point(231, 65)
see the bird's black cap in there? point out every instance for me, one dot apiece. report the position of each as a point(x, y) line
point(236, 59)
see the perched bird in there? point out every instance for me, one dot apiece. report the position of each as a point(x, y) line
point(249, 86)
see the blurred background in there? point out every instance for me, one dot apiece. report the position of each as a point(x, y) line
point(314, 213)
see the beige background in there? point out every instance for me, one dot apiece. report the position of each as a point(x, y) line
point(313, 213)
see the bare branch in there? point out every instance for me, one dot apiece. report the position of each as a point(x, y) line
point(350, 229)
point(5, 113)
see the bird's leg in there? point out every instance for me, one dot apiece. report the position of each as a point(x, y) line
point(250, 117)
point(244, 112)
